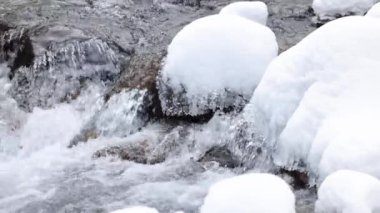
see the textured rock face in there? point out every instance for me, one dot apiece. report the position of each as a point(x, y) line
point(15, 48)
point(59, 74)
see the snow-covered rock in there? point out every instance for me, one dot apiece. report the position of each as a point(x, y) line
point(349, 192)
point(374, 11)
point(255, 192)
point(327, 9)
point(214, 62)
point(255, 11)
point(318, 103)
point(136, 209)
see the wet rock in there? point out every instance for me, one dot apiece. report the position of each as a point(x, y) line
point(141, 73)
point(297, 179)
point(176, 104)
point(137, 154)
point(123, 115)
point(192, 3)
point(61, 73)
point(135, 149)
point(222, 155)
point(242, 139)
point(16, 48)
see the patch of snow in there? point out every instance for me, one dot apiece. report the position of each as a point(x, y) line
point(214, 61)
point(374, 11)
point(349, 192)
point(327, 9)
point(248, 193)
point(255, 11)
point(318, 103)
point(137, 209)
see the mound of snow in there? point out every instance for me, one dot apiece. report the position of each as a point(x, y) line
point(318, 103)
point(327, 9)
point(248, 193)
point(136, 209)
point(255, 11)
point(214, 62)
point(374, 11)
point(349, 192)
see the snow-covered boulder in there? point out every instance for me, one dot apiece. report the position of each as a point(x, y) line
point(349, 192)
point(253, 10)
point(327, 9)
point(136, 209)
point(214, 63)
point(255, 192)
point(374, 11)
point(318, 103)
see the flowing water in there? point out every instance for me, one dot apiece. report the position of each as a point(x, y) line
point(80, 47)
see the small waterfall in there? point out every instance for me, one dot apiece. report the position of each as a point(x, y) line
point(58, 76)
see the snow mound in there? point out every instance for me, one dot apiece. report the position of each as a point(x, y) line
point(214, 62)
point(327, 9)
point(349, 192)
point(255, 11)
point(318, 103)
point(136, 209)
point(250, 193)
point(374, 11)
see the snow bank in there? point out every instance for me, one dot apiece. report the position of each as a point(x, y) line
point(137, 209)
point(327, 9)
point(318, 103)
point(349, 192)
point(250, 193)
point(255, 11)
point(214, 62)
point(374, 11)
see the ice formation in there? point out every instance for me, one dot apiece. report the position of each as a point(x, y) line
point(374, 11)
point(349, 192)
point(254, 192)
point(214, 62)
point(255, 11)
point(318, 103)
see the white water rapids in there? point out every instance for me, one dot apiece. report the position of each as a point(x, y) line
point(38, 173)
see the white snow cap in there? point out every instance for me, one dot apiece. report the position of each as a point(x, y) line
point(327, 9)
point(374, 11)
point(349, 192)
point(253, 10)
point(255, 192)
point(136, 209)
point(216, 54)
point(319, 102)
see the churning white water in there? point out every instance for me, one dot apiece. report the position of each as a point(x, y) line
point(38, 173)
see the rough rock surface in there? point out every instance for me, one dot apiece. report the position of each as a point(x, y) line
point(15, 48)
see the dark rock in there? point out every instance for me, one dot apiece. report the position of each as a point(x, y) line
point(177, 105)
point(298, 179)
point(16, 48)
point(60, 73)
point(141, 73)
point(137, 151)
point(221, 155)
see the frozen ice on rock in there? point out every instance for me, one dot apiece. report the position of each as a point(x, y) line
point(253, 10)
point(318, 102)
point(213, 63)
point(349, 192)
point(254, 192)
